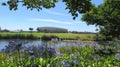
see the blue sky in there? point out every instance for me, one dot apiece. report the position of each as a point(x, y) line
point(56, 17)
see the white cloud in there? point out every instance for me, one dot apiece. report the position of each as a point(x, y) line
point(51, 20)
point(56, 13)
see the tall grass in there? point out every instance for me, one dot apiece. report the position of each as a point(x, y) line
point(18, 36)
point(63, 36)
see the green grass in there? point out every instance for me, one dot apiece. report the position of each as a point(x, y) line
point(60, 35)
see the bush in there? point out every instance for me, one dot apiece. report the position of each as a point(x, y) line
point(48, 37)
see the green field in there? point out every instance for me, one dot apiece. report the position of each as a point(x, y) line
point(71, 36)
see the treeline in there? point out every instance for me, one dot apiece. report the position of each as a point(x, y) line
point(5, 30)
point(76, 32)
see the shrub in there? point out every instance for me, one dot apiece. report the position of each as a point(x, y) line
point(48, 37)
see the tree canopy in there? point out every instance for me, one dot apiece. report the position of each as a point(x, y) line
point(106, 16)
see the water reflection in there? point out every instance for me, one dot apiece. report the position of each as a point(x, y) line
point(36, 43)
point(3, 43)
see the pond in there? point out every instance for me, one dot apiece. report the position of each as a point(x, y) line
point(54, 44)
point(4, 44)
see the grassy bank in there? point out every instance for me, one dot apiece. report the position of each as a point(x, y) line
point(64, 36)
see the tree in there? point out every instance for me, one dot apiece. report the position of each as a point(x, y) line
point(0, 28)
point(38, 30)
point(5, 30)
point(30, 4)
point(31, 29)
point(106, 16)
point(78, 6)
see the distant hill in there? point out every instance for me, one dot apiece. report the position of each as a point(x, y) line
point(52, 29)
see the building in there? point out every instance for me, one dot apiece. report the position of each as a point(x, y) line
point(52, 29)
